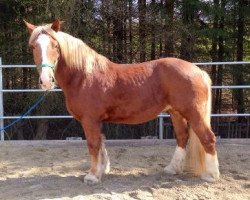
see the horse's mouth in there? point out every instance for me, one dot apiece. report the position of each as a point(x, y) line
point(50, 86)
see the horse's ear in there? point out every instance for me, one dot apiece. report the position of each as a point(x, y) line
point(29, 26)
point(56, 25)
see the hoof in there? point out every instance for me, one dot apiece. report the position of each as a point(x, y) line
point(177, 163)
point(210, 178)
point(91, 179)
point(170, 170)
point(212, 172)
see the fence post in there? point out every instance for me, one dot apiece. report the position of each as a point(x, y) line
point(1, 101)
point(160, 127)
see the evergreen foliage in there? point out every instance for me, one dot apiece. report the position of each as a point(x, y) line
point(127, 31)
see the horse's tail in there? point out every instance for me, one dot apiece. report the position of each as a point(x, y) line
point(195, 160)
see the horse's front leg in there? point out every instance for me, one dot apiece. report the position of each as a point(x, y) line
point(99, 158)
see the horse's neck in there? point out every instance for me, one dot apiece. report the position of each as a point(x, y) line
point(68, 77)
point(64, 75)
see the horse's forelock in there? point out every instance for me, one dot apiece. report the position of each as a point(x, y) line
point(46, 28)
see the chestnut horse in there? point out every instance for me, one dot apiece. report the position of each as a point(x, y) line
point(98, 90)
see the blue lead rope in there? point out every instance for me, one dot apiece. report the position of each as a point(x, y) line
point(39, 100)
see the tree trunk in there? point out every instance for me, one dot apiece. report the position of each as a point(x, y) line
point(125, 16)
point(118, 30)
point(106, 12)
point(43, 125)
point(42, 130)
point(142, 29)
point(153, 27)
point(221, 52)
point(161, 27)
point(188, 11)
point(168, 30)
point(130, 31)
point(238, 75)
point(214, 52)
point(109, 26)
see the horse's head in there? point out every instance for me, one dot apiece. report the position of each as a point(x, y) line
point(46, 51)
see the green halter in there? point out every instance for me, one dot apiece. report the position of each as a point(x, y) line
point(46, 65)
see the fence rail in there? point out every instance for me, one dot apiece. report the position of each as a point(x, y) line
point(160, 116)
point(59, 90)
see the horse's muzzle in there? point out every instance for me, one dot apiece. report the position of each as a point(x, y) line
point(47, 80)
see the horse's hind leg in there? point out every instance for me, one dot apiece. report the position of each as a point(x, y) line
point(201, 125)
point(181, 131)
point(99, 158)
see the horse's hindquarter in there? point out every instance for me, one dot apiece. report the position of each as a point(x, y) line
point(186, 84)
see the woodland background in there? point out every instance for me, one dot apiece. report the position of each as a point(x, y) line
point(129, 31)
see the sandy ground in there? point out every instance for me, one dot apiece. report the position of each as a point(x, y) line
point(55, 170)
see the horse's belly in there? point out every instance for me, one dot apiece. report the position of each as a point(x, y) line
point(135, 117)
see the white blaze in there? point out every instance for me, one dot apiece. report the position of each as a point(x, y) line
point(45, 78)
point(43, 40)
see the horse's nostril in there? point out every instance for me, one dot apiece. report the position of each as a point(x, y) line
point(53, 79)
point(40, 81)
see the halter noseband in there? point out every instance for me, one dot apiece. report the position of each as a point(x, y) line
point(52, 66)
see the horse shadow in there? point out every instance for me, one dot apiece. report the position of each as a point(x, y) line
point(57, 187)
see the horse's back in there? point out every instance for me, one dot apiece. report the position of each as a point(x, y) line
point(178, 66)
point(179, 71)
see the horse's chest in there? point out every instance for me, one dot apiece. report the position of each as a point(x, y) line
point(75, 106)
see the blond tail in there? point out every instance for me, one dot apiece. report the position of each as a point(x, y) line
point(195, 159)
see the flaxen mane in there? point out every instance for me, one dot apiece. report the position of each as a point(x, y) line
point(74, 51)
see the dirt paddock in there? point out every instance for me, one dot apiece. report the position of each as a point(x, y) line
point(55, 170)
